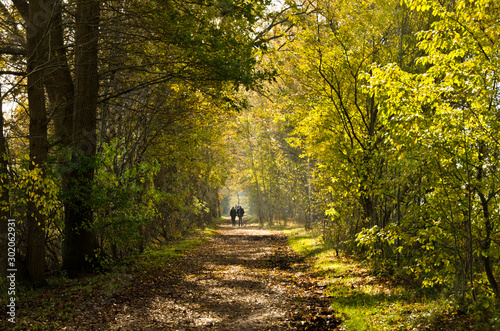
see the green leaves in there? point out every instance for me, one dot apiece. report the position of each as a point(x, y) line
point(206, 43)
point(398, 108)
point(449, 103)
point(43, 190)
point(124, 199)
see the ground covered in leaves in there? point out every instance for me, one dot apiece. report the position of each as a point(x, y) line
point(241, 279)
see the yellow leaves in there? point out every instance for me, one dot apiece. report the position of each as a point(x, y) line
point(37, 187)
point(418, 5)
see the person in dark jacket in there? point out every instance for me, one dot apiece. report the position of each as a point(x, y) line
point(241, 211)
point(233, 216)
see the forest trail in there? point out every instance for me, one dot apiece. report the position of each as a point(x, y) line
point(243, 279)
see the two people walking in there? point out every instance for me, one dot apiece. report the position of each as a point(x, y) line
point(238, 211)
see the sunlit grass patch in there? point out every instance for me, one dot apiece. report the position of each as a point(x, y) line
point(365, 301)
point(303, 243)
point(155, 258)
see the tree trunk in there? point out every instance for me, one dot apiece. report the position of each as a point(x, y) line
point(80, 242)
point(58, 80)
point(37, 54)
point(486, 244)
point(309, 218)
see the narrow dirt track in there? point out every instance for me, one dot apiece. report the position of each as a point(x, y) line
point(244, 279)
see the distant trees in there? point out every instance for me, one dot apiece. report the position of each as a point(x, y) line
point(268, 167)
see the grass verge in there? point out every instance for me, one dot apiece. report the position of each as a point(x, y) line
point(56, 304)
point(364, 301)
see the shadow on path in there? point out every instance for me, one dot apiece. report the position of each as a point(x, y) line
point(245, 278)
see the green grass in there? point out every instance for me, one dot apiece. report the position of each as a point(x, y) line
point(364, 301)
point(155, 258)
point(250, 220)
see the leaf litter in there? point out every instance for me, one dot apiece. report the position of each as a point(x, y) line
point(244, 278)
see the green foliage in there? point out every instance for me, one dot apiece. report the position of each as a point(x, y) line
point(364, 300)
point(33, 185)
point(170, 73)
point(396, 105)
point(449, 112)
point(207, 43)
point(124, 199)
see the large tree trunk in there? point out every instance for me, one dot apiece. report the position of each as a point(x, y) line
point(80, 242)
point(37, 52)
point(58, 80)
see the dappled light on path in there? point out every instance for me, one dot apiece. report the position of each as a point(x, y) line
point(244, 278)
point(234, 282)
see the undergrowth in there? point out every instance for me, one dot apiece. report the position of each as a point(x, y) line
point(54, 296)
point(366, 301)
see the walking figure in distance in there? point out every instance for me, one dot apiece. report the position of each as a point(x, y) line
point(241, 211)
point(233, 216)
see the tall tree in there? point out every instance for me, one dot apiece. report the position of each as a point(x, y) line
point(37, 56)
point(80, 242)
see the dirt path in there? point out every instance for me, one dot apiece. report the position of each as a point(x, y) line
point(242, 279)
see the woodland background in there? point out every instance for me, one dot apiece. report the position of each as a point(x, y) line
point(375, 121)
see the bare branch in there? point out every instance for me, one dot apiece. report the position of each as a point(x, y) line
point(9, 72)
point(12, 50)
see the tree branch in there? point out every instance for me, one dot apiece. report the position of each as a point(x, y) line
point(9, 72)
point(12, 50)
point(22, 8)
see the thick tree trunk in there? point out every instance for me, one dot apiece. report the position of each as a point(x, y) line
point(80, 242)
point(36, 27)
point(58, 80)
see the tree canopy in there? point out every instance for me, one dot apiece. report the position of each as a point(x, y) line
point(374, 121)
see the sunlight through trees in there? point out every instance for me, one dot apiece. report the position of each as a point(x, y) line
point(374, 123)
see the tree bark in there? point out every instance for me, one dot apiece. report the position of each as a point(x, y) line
point(37, 55)
point(486, 242)
point(58, 81)
point(80, 242)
